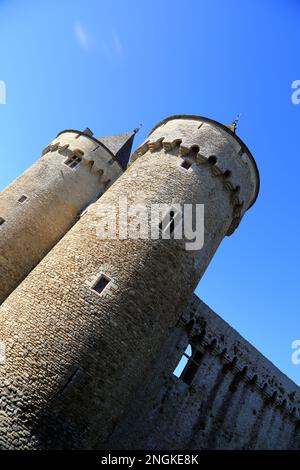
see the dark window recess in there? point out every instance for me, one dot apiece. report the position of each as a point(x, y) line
point(171, 223)
point(22, 199)
point(72, 162)
point(186, 165)
point(101, 284)
point(191, 368)
point(2, 221)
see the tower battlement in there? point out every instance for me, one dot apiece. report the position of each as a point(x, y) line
point(42, 204)
point(202, 141)
point(95, 334)
point(96, 311)
point(93, 152)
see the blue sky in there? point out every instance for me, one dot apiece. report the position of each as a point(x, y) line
point(111, 65)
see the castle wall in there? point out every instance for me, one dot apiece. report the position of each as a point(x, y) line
point(55, 195)
point(236, 400)
point(75, 358)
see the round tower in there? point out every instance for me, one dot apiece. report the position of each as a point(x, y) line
point(40, 206)
point(84, 328)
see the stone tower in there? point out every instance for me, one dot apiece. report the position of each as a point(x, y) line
point(40, 206)
point(84, 328)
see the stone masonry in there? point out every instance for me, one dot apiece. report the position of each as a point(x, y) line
point(91, 367)
point(228, 396)
point(42, 204)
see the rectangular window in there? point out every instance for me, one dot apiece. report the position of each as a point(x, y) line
point(188, 365)
point(186, 164)
point(183, 361)
point(72, 162)
point(22, 199)
point(101, 283)
point(168, 222)
point(191, 368)
point(2, 221)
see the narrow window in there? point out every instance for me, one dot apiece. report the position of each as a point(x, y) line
point(101, 283)
point(188, 364)
point(2, 221)
point(164, 225)
point(183, 361)
point(186, 165)
point(172, 221)
point(72, 162)
point(192, 367)
point(70, 380)
point(22, 199)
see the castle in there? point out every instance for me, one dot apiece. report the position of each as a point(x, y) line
point(94, 329)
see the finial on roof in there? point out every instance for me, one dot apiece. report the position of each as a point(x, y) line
point(137, 129)
point(234, 124)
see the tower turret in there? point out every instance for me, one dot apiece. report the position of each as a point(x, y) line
point(41, 205)
point(86, 325)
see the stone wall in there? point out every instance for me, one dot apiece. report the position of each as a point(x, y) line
point(41, 205)
point(237, 399)
point(75, 358)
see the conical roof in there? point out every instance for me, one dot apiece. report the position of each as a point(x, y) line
point(120, 145)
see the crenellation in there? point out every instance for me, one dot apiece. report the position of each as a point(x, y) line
point(57, 190)
point(234, 397)
point(96, 330)
point(220, 167)
point(264, 379)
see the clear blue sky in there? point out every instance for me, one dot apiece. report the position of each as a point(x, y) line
point(113, 64)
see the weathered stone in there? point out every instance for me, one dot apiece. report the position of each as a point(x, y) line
point(80, 357)
point(236, 400)
point(42, 204)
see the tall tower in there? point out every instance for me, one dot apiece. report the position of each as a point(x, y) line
point(40, 206)
point(83, 329)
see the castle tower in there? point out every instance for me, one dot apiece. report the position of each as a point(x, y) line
point(40, 206)
point(84, 328)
